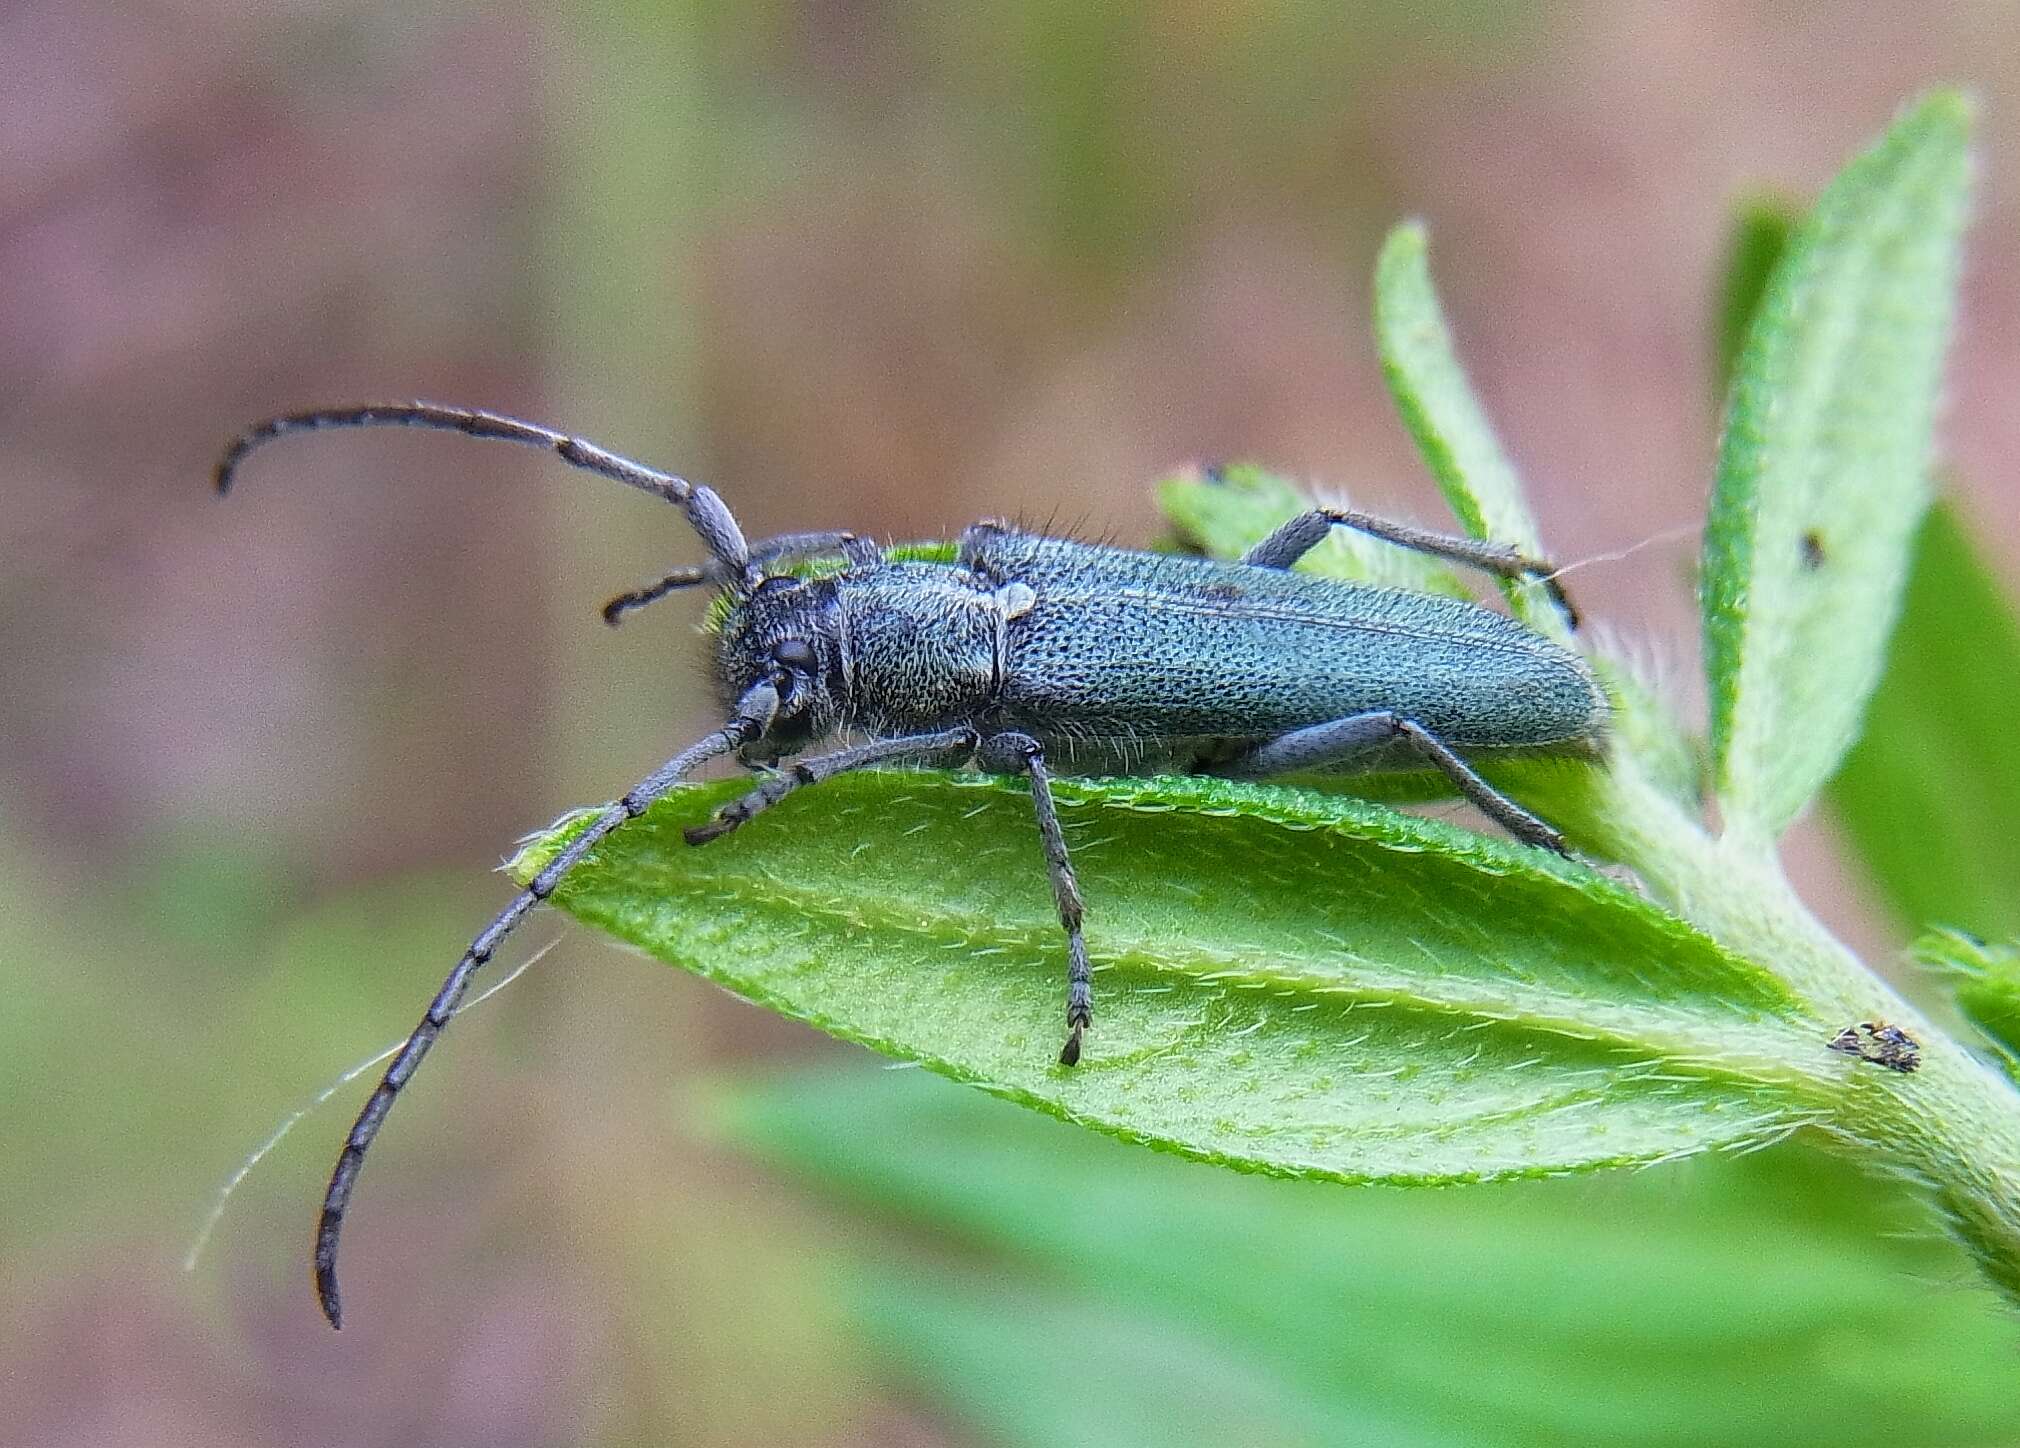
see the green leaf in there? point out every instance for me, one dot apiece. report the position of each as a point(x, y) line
point(1784, 1298)
point(1929, 796)
point(1823, 472)
point(1760, 235)
point(1443, 415)
point(1287, 982)
point(1035, 1363)
point(1984, 979)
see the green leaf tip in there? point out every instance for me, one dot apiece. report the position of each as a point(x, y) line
point(1823, 468)
point(1287, 982)
point(1443, 415)
point(1760, 234)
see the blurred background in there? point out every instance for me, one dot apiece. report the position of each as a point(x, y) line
point(888, 266)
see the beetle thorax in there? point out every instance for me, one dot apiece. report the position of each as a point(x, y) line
point(924, 644)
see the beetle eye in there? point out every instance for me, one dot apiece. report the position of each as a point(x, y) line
point(795, 654)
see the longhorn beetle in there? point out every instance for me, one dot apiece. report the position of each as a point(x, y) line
point(1016, 653)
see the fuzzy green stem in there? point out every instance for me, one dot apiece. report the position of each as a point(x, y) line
point(1953, 1122)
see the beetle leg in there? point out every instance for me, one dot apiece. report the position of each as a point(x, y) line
point(1305, 532)
point(803, 772)
point(1343, 740)
point(1015, 753)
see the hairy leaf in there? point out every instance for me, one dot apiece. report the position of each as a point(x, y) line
point(1823, 472)
point(1929, 795)
point(1446, 419)
point(1286, 981)
point(1784, 1298)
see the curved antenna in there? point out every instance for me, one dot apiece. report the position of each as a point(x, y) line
point(222, 1200)
point(787, 548)
point(636, 598)
point(706, 513)
point(753, 716)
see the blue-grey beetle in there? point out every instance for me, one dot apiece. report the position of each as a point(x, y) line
point(1021, 654)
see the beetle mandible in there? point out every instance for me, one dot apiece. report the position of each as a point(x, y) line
point(1020, 654)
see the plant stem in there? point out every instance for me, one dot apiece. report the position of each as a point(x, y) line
point(1952, 1123)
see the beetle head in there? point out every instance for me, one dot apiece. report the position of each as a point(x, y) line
point(786, 630)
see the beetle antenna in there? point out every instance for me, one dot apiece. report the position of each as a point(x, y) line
point(786, 549)
point(1667, 535)
point(615, 610)
point(753, 716)
point(294, 1118)
point(706, 512)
